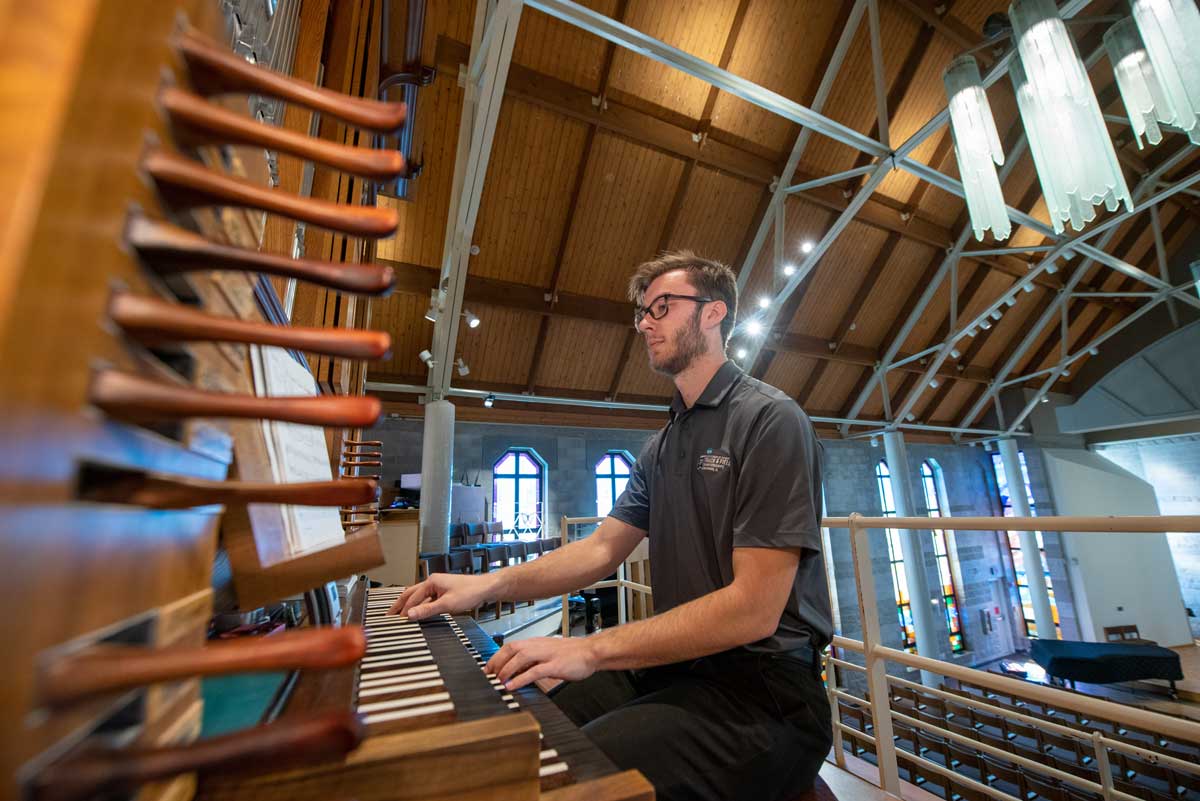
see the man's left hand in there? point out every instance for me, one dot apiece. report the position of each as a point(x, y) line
point(525, 661)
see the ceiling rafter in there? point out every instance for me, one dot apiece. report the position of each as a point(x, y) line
point(415, 279)
point(610, 51)
point(676, 139)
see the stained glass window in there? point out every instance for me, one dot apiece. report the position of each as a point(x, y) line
point(1013, 540)
point(931, 480)
point(908, 631)
point(612, 474)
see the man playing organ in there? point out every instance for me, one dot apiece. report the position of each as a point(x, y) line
point(719, 694)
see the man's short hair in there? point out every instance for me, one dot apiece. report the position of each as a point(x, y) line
point(710, 278)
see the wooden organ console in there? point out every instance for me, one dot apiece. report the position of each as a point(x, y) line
point(135, 288)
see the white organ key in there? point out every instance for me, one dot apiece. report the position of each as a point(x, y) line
point(398, 672)
point(384, 717)
point(417, 674)
point(550, 770)
point(371, 692)
point(396, 662)
point(403, 703)
point(549, 753)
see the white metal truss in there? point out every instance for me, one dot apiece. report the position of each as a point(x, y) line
point(495, 32)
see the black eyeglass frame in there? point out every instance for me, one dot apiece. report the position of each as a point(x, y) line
point(640, 312)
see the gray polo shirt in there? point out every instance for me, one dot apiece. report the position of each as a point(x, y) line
point(741, 468)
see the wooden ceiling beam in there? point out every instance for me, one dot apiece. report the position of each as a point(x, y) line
point(415, 279)
point(946, 25)
point(810, 386)
point(680, 141)
point(874, 272)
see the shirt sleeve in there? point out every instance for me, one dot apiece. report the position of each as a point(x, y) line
point(633, 507)
point(774, 503)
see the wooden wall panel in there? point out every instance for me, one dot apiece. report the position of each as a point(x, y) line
point(768, 33)
point(788, 372)
point(836, 280)
point(403, 316)
point(905, 267)
point(950, 407)
point(527, 194)
point(580, 354)
point(803, 222)
point(553, 47)
point(852, 101)
point(835, 383)
point(638, 379)
point(715, 214)
point(698, 27)
point(501, 348)
point(626, 194)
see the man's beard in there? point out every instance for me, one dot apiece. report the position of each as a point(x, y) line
point(688, 344)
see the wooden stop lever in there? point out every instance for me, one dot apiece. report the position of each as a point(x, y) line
point(196, 121)
point(214, 69)
point(375, 442)
point(103, 669)
point(272, 747)
point(153, 321)
point(185, 183)
point(170, 249)
point(158, 492)
point(136, 398)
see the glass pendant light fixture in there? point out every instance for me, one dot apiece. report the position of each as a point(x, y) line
point(977, 147)
point(1170, 30)
point(1071, 150)
point(1140, 90)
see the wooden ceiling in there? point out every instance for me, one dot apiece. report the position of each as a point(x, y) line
point(603, 158)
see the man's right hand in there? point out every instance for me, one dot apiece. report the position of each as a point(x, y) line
point(443, 592)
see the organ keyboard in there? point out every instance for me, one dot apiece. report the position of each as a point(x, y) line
point(426, 680)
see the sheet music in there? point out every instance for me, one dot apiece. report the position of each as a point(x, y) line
point(297, 452)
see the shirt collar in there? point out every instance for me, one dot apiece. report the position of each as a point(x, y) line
point(714, 394)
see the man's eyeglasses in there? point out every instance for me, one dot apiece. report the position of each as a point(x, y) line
point(658, 308)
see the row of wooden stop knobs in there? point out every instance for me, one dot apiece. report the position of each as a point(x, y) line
point(184, 183)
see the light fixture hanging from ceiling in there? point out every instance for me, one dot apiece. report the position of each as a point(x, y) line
point(1074, 157)
point(1170, 31)
point(1141, 91)
point(977, 147)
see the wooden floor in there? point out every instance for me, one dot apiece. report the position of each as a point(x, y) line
point(1189, 660)
point(860, 782)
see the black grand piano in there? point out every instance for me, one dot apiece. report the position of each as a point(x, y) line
point(1106, 662)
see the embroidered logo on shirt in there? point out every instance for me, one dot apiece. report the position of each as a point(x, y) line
point(710, 462)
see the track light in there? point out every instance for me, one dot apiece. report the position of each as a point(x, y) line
point(741, 353)
point(754, 328)
point(1028, 287)
point(462, 366)
point(954, 354)
point(1094, 351)
point(910, 417)
point(1051, 268)
point(996, 314)
point(1045, 399)
point(874, 442)
point(1010, 302)
point(488, 401)
point(933, 383)
point(472, 320)
point(806, 247)
point(985, 325)
point(764, 302)
point(789, 270)
point(426, 357)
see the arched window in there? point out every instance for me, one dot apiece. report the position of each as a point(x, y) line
point(518, 484)
point(908, 632)
point(1014, 545)
point(612, 474)
point(932, 483)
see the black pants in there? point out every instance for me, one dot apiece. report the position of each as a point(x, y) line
point(735, 725)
